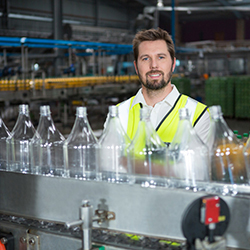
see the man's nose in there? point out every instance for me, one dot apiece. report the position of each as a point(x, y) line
point(154, 63)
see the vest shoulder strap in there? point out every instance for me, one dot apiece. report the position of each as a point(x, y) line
point(168, 126)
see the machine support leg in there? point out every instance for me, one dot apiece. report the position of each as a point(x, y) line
point(86, 215)
point(86, 220)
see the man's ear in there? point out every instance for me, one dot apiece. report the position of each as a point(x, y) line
point(135, 64)
point(174, 63)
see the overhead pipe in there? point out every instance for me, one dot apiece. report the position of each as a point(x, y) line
point(151, 9)
point(173, 21)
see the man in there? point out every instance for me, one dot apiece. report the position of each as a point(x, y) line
point(154, 61)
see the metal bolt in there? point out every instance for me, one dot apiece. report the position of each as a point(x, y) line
point(23, 240)
point(85, 203)
point(110, 216)
point(100, 211)
point(32, 241)
point(4, 240)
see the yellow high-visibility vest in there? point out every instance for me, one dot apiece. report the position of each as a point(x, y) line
point(168, 126)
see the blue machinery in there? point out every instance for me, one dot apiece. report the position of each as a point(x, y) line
point(110, 49)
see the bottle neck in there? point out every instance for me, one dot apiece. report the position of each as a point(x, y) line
point(81, 116)
point(24, 109)
point(184, 114)
point(81, 112)
point(216, 113)
point(45, 121)
point(45, 111)
point(144, 114)
point(113, 111)
point(81, 121)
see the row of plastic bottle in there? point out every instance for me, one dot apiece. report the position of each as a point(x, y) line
point(243, 138)
point(146, 160)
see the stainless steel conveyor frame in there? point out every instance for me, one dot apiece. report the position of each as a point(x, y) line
point(154, 212)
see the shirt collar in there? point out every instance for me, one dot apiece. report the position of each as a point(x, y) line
point(170, 98)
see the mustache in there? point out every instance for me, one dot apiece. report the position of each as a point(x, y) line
point(155, 72)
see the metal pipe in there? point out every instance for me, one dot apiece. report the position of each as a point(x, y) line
point(70, 56)
point(4, 57)
point(156, 18)
point(86, 212)
point(104, 63)
point(86, 220)
point(151, 9)
point(43, 88)
point(26, 66)
point(23, 61)
point(99, 62)
point(173, 20)
point(65, 114)
point(94, 66)
point(33, 83)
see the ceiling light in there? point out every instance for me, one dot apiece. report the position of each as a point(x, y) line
point(160, 3)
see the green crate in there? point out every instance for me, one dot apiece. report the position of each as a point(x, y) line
point(230, 96)
point(183, 84)
point(220, 91)
point(242, 97)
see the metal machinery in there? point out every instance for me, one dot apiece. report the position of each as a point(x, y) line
point(39, 212)
point(66, 93)
point(64, 88)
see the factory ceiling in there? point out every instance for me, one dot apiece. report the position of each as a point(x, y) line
point(185, 11)
point(195, 10)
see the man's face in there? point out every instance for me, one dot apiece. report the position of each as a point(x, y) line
point(154, 65)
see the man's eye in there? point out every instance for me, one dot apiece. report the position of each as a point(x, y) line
point(145, 59)
point(161, 57)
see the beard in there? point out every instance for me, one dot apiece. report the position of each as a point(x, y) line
point(155, 84)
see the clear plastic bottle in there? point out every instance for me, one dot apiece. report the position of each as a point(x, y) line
point(18, 151)
point(239, 137)
point(47, 147)
point(245, 138)
point(188, 157)
point(247, 154)
point(113, 155)
point(4, 134)
point(236, 132)
point(227, 157)
point(147, 154)
point(81, 149)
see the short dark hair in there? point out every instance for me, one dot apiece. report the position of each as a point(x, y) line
point(153, 35)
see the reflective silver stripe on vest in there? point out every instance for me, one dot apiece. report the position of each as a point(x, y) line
point(191, 106)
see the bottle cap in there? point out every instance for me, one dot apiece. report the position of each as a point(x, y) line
point(245, 134)
point(113, 110)
point(215, 111)
point(45, 110)
point(81, 111)
point(23, 108)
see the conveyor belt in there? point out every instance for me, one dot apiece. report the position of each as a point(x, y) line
point(154, 213)
point(62, 83)
point(99, 236)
